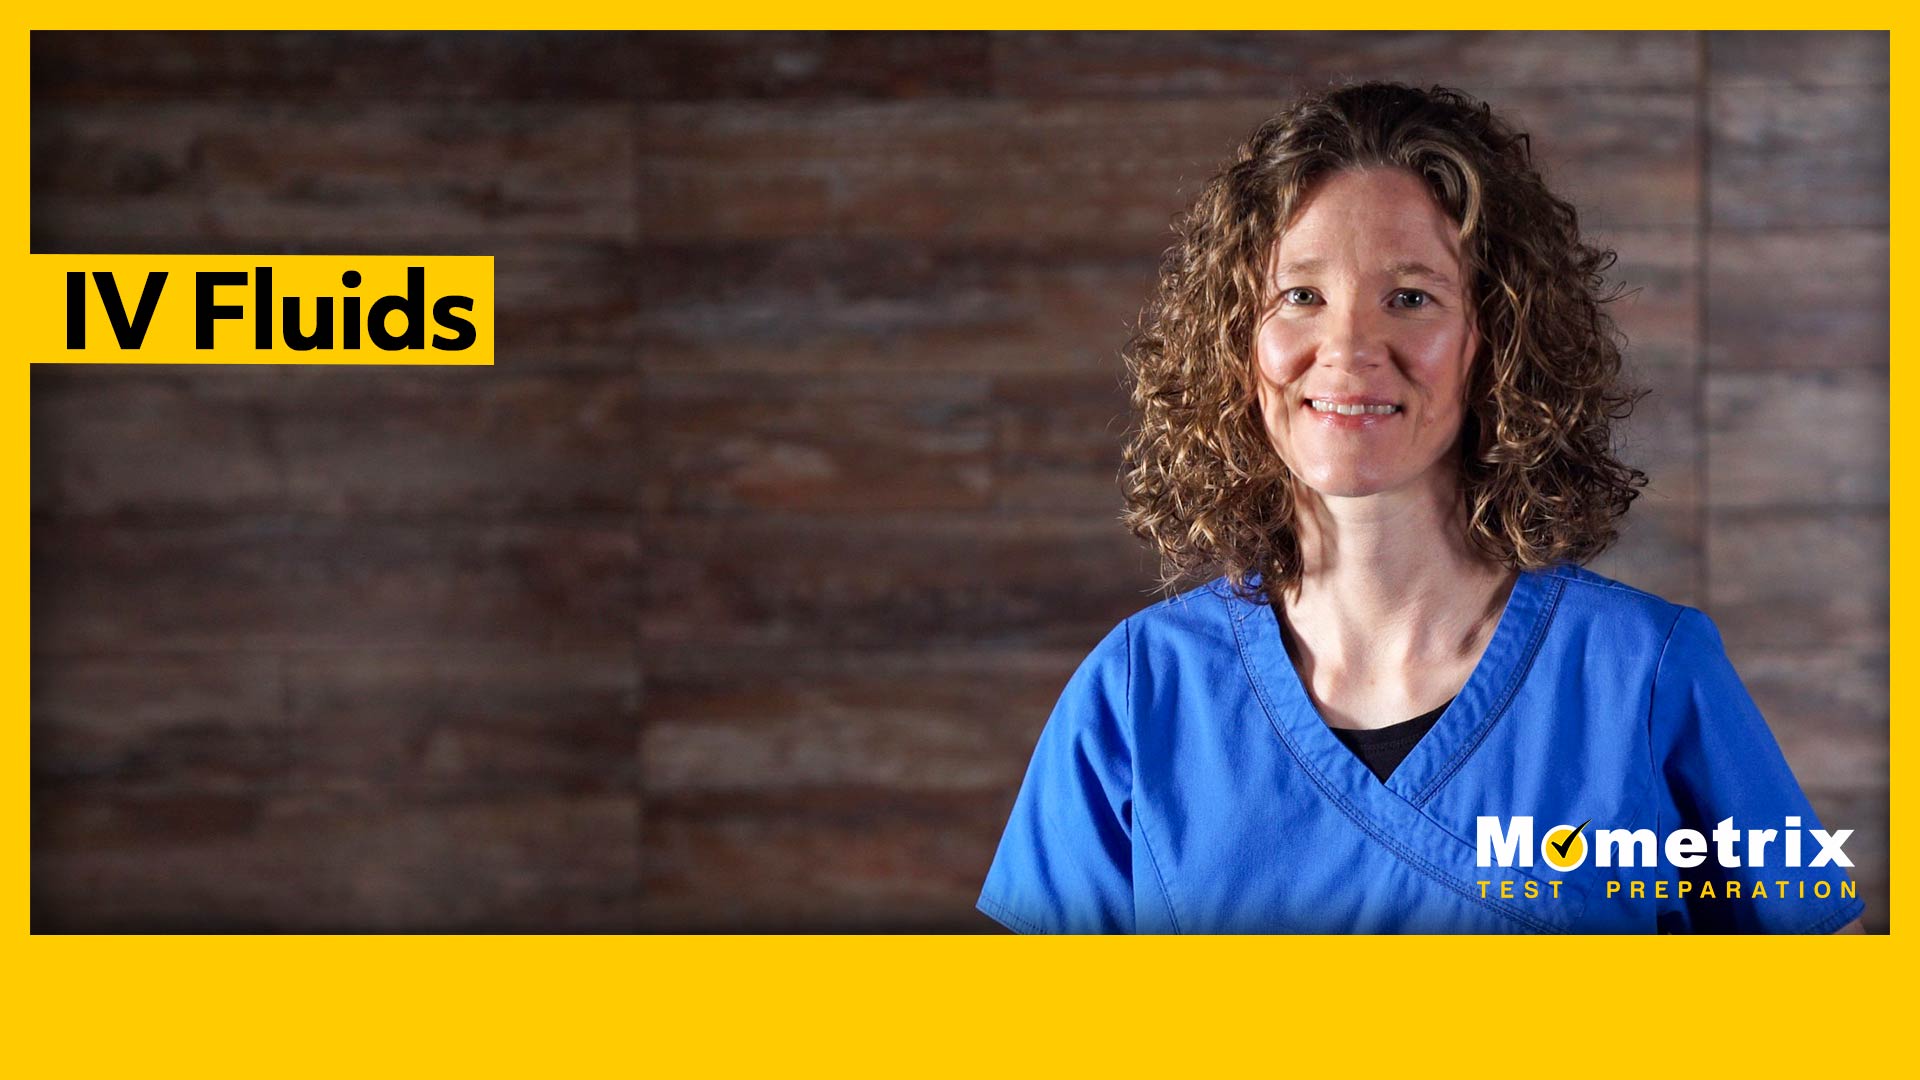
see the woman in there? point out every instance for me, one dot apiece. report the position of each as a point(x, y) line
point(1375, 392)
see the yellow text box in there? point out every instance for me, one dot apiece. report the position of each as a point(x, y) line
point(260, 309)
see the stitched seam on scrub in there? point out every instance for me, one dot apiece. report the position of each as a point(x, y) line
point(1353, 814)
point(1139, 821)
point(1153, 860)
point(1000, 911)
point(1653, 694)
point(1619, 586)
point(1520, 670)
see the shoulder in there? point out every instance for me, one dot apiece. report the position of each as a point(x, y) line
point(1586, 597)
point(1625, 618)
point(1201, 618)
point(1160, 639)
point(1589, 589)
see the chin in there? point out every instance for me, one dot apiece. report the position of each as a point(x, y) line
point(1350, 491)
point(1350, 483)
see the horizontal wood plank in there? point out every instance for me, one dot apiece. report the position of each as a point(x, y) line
point(1797, 57)
point(1789, 158)
point(132, 723)
point(871, 444)
point(1797, 438)
point(1828, 709)
point(1661, 549)
point(252, 584)
point(827, 860)
point(819, 304)
point(1802, 578)
point(912, 719)
point(489, 442)
point(1097, 173)
point(512, 66)
point(387, 727)
point(263, 172)
point(928, 579)
point(1279, 64)
point(1798, 298)
point(308, 865)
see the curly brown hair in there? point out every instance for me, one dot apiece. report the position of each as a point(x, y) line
point(1203, 482)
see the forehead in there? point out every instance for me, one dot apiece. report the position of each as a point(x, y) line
point(1375, 215)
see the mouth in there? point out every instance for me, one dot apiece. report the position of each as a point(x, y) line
point(1351, 407)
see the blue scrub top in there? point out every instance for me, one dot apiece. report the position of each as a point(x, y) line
point(1185, 783)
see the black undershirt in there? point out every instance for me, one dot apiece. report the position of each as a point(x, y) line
point(1381, 750)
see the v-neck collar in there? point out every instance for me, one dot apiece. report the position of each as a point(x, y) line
point(1452, 739)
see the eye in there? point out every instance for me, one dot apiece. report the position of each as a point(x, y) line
point(1417, 299)
point(1299, 294)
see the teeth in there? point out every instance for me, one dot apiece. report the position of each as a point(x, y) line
point(1352, 410)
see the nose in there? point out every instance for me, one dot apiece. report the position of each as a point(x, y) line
point(1351, 339)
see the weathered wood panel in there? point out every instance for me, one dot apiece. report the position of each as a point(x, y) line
point(337, 173)
point(515, 66)
point(1798, 438)
point(375, 726)
point(818, 304)
point(1790, 158)
point(852, 444)
point(200, 864)
point(1662, 436)
point(1807, 298)
point(1101, 174)
point(96, 431)
point(405, 442)
point(107, 66)
point(1058, 440)
point(1797, 57)
point(838, 859)
point(1279, 64)
point(249, 584)
point(810, 64)
point(1657, 272)
point(872, 582)
point(1661, 550)
point(132, 722)
point(460, 442)
point(1828, 708)
point(1809, 579)
point(916, 719)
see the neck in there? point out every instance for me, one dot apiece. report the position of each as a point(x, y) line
point(1391, 579)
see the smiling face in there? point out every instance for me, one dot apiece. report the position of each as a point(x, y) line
point(1364, 351)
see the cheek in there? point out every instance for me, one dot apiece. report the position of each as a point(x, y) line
point(1277, 359)
point(1272, 375)
point(1443, 369)
point(1443, 382)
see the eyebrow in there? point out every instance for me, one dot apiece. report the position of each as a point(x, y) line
point(1405, 268)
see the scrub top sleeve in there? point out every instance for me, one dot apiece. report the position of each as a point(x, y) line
point(1064, 864)
point(1718, 760)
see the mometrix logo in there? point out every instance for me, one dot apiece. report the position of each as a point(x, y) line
point(1510, 842)
point(1565, 847)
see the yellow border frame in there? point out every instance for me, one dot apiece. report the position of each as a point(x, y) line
point(141, 1005)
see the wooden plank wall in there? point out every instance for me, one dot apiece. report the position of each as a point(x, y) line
point(734, 595)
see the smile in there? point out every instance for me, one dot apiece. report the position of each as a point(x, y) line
point(1350, 409)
